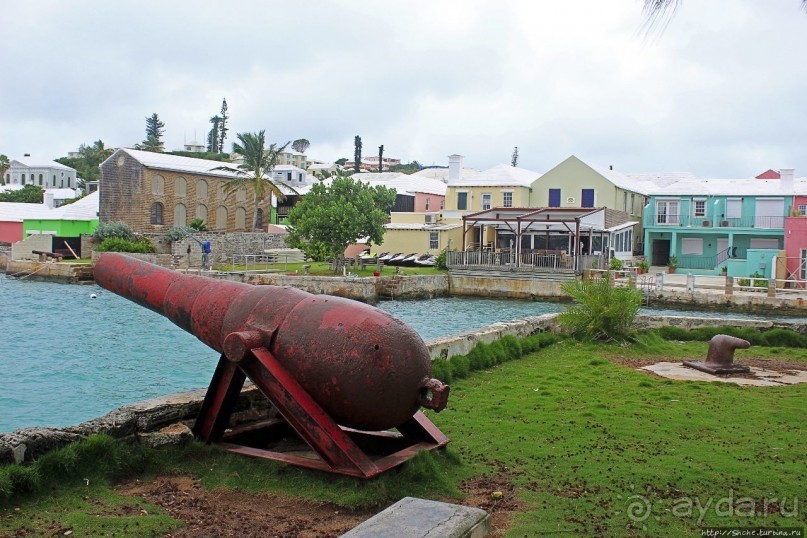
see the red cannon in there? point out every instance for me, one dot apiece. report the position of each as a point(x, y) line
point(338, 371)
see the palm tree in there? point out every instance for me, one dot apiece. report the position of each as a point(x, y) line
point(255, 172)
point(659, 12)
point(4, 165)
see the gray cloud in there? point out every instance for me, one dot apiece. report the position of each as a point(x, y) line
point(718, 93)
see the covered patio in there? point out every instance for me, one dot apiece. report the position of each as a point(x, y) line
point(553, 239)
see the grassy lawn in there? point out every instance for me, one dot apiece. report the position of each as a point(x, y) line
point(322, 269)
point(591, 447)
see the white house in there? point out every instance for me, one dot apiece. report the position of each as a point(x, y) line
point(40, 172)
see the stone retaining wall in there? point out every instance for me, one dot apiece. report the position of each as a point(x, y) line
point(72, 273)
point(512, 285)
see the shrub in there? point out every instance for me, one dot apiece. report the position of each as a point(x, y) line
point(198, 224)
point(115, 244)
point(120, 230)
point(175, 234)
point(441, 370)
point(615, 264)
point(600, 311)
point(440, 260)
point(784, 338)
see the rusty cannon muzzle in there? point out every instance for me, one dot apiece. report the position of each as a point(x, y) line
point(318, 358)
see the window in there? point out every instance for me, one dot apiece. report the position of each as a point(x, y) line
point(632, 203)
point(803, 210)
point(442, 204)
point(803, 264)
point(201, 188)
point(221, 218)
point(201, 212)
point(462, 201)
point(157, 213)
point(554, 197)
point(667, 212)
point(434, 241)
point(587, 198)
point(158, 185)
point(700, 208)
point(692, 245)
point(240, 218)
point(181, 187)
point(180, 215)
point(41, 179)
point(625, 201)
point(428, 203)
point(486, 200)
point(734, 208)
point(507, 198)
point(288, 177)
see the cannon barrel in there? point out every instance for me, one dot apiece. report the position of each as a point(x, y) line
point(366, 368)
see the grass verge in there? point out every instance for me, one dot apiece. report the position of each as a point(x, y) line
point(590, 446)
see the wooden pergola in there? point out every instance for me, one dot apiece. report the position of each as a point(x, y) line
point(549, 220)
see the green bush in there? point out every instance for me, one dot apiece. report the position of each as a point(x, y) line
point(440, 260)
point(442, 370)
point(615, 264)
point(115, 244)
point(198, 224)
point(600, 311)
point(175, 234)
point(784, 338)
point(120, 230)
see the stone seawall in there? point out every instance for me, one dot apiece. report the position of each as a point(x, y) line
point(71, 273)
point(145, 419)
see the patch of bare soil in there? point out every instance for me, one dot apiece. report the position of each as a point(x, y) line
point(480, 491)
point(225, 512)
point(231, 513)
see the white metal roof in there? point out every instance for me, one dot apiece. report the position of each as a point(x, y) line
point(734, 187)
point(85, 209)
point(416, 226)
point(17, 212)
point(177, 163)
point(34, 162)
point(442, 173)
point(502, 175)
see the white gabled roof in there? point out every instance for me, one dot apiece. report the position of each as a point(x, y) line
point(442, 173)
point(502, 175)
point(733, 187)
point(17, 211)
point(376, 176)
point(63, 194)
point(34, 162)
point(287, 168)
point(177, 163)
point(414, 184)
point(85, 209)
point(414, 226)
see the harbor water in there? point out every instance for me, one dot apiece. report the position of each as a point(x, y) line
point(70, 353)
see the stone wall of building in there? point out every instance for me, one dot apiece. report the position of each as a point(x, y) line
point(225, 246)
point(129, 190)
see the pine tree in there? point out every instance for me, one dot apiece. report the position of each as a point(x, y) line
point(357, 154)
point(222, 134)
point(514, 160)
point(154, 133)
point(300, 145)
point(213, 135)
point(381, 158)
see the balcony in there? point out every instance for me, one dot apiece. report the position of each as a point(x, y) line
point(759, 222)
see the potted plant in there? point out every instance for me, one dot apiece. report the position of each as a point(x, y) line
point(672, 263)
point(643, 267)
point(724, 270)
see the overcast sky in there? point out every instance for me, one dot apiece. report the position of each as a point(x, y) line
point(719, 93)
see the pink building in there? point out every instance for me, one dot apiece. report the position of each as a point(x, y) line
point(796, 240)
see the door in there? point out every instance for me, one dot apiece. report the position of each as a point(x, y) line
point(661, 252)
point(722, 246)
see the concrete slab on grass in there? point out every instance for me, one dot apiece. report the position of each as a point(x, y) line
point(764, 378)
point(419, 518)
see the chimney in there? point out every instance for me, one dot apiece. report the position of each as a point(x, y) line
point(48, 199)
point(27, 155)
point(786, 178)
point(454, 167)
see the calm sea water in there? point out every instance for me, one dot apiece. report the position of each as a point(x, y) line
point(66, 357)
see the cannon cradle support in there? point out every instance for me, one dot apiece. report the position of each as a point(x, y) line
point(335, 449)
point(341, 374)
